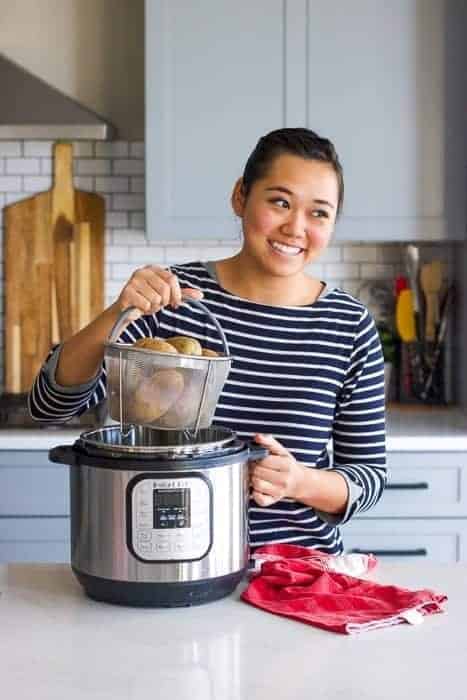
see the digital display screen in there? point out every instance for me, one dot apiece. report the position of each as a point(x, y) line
point(171, 508)
point(170, 497)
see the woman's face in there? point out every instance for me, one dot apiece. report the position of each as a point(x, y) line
point(289, 215)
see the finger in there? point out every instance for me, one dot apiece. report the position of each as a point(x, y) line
point(265, 487)
point(273, 462)
point(262, 500)
point(272, 476)
point(192, 293)
point(155, 278)
point(273, 445)
point(175, 292)
point(153, 299)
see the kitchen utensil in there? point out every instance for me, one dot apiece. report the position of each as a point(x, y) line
point(447, 303)
point(405, 317)
point(412, 263)
point(186, 396)
point(400, 284)
point(158, 519)
point(33, 269)
point(431, 280)
point(378, 299)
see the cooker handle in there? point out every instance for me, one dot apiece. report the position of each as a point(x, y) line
point(255, 451)
point(63, 454)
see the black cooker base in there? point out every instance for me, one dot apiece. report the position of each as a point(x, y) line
point(158, 595)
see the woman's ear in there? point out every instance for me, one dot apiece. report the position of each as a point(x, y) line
point(238, 198)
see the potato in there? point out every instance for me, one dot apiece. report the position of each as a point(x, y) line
point(185, 345)
point(184, 411)
point(155, 395)
point(155, 344)
point(209, 353)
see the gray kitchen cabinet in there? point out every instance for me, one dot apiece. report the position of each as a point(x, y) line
point(34, 508)
point(422, 513)
point(377, 78)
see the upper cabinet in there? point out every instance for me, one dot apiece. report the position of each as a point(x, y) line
point(384, 81)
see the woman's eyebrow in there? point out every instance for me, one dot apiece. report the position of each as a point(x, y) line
point(279, 188)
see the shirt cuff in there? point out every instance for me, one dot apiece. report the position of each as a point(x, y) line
point(354, 491)
point(50, 368)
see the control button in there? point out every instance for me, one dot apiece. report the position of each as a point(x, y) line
point(145, 546)
point(162, 547)
point(162, 535)
point(144, 535)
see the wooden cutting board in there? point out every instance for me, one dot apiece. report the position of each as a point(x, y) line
point(44, 279)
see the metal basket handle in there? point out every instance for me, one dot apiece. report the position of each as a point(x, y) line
point(126, 317)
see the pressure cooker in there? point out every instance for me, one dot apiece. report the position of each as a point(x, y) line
point(159, 516)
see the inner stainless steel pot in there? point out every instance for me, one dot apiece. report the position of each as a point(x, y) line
point(144, 440)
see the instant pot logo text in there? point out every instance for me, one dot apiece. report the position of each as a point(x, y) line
point(171, 483)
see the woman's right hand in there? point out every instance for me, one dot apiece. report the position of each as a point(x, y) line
point(150, 288)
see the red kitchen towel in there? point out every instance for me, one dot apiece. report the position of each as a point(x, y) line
point(301, 589)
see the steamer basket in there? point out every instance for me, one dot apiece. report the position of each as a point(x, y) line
point(161, 390)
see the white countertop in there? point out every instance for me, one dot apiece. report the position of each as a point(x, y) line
point(55, 643)
point(408, 429)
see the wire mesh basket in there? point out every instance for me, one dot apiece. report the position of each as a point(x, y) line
point(162, 390)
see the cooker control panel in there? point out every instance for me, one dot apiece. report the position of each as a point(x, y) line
point(170, 518)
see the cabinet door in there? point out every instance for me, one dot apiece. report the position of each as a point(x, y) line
point(376, 89)
point(440, 541)
point(30, 485)
point(218, 76)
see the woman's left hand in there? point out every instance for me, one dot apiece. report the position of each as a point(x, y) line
point(276, 476)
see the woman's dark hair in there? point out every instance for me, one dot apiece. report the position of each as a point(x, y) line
point(296, 142)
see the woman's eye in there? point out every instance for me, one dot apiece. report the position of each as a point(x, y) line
point(320, 214)
point(283, 203)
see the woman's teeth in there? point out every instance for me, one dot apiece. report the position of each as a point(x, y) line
point(285, 249)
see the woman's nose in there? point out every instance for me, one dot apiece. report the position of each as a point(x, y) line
point(296, 225)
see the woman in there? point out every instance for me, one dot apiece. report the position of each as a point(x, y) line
point(307, 363)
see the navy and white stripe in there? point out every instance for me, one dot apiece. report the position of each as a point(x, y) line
point(306, 374)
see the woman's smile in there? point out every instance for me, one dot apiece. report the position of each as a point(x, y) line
point(285, 250)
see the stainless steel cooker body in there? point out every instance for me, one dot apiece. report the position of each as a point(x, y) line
point(158, 531)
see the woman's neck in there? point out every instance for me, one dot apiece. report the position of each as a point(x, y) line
point(239, 277)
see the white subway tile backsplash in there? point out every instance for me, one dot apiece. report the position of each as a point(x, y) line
point(332, 254)
point(10, 149)
point(376, 271)
point(122, 271)
point(128, 202)
point(46, 166)
point(149, 255)
point(360, 253)
point(112, 184)
point(116, 219)
point(129, 237)
point(138, 220)
point(137, 184)
point(37, 149)
point(92, 166)
point(112, 149)
point(2, 166)
point(137, 149)
point(341, 270)
point(35, 184)
point(128, 166)
point(83, 149)
point(115, 253)
point(84, 183)
point(12, 197)
point(10, 183)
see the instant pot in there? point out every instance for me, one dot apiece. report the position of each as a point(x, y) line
point(156, 519)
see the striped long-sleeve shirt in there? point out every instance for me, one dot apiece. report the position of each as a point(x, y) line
point(312, 376)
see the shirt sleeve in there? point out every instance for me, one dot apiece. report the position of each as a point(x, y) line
point(359, 445)
point(49, 401)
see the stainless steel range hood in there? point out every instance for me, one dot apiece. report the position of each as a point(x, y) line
point(32, 109)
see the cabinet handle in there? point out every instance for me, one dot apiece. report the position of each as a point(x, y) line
point(416, 486)
point(420, 552)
